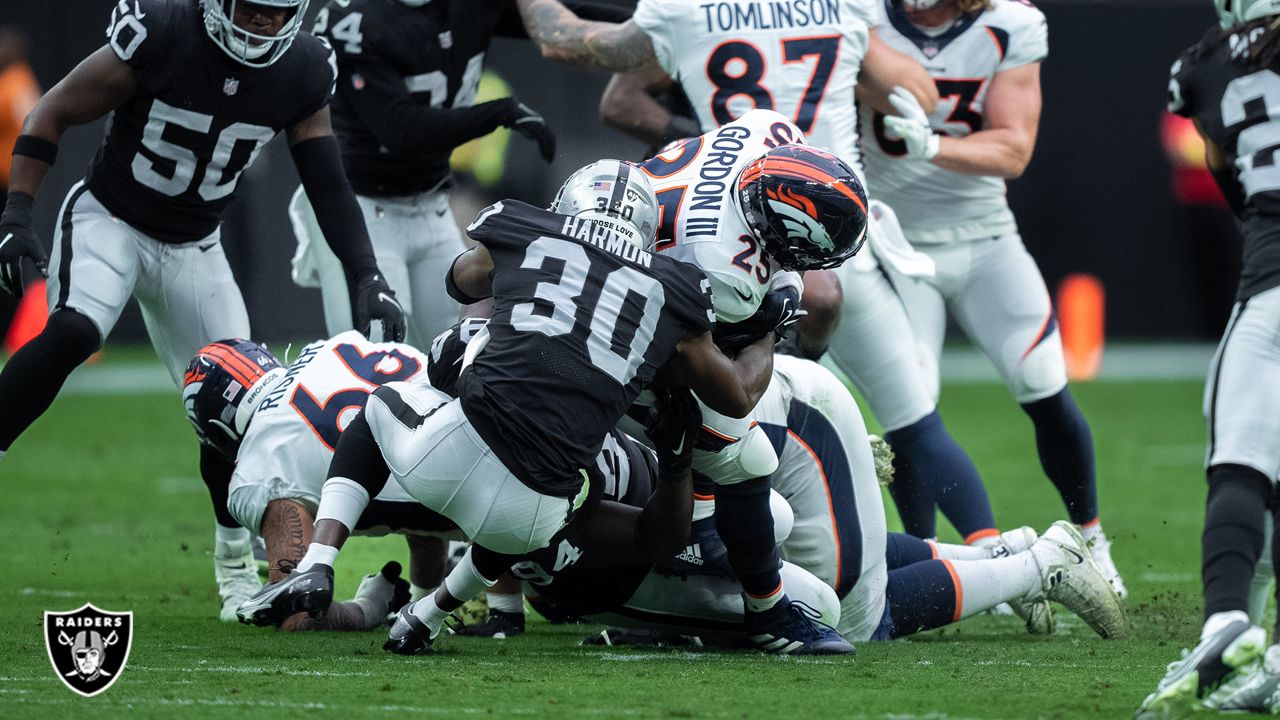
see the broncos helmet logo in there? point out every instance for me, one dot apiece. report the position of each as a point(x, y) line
point(799, 216)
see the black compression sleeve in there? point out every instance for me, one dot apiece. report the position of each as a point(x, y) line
point(358, 457)
point(320, 166)
point(455, 292)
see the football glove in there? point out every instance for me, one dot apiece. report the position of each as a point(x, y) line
point(673, 425)
point(18, 240)
point(526, 121)
point(912, 127)
point(778, 312)
point(376, 301)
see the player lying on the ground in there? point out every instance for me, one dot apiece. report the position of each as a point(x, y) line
point(280, 425)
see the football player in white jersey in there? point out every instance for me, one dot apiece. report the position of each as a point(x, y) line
point(943, 172)
point(279, 426)
point(803, 60)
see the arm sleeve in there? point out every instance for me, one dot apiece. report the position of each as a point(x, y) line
point(320, 167)
point(404, 126)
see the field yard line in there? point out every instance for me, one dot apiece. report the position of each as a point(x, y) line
point(252, 670)
point(272, 704)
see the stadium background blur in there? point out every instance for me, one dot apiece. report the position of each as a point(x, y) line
point(1097, 198)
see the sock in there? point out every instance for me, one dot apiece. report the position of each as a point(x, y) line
point(1090, 530)
point(465, 580)
point(947, 551)
point(216, 470)
point(1065, 445)
point(506, 602)
point(429, 613)
point(930, 468)
point(230, 543)
point(902, 550)
point(318, 554)
point(760, 603)
point(987, 583)
point(33, 376)
point(745, 524)
point(417, 592)
point(936, 593)
point(1233, 533)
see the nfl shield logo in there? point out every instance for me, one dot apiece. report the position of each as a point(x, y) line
point(930, 50)
point(88, 647)
point(446, 39)
point(230, 86)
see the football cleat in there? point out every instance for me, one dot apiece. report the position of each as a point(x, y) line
point(309, 591)
point(1100, 549)
point(381, 593)
point(792, 628)
point(1254, 688)
point(237, 575)
point(1036, 614)
point(1012, 542)
point(500, 625)
point(408, 634)
point(1069, 576)
point(1208, 671)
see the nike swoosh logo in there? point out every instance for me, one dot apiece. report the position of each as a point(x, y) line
point(744, 295)
point(679, 448)
point(6, 240)
point(1079, 558)
point(387, 298)
point(207, 248)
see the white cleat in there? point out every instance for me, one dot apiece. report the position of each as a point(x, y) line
point(1069, 576)
point(1100, 549)
point(1253, 688)
point(237, 574)
point(1217, 670)
point(1012, 542)
point(1036, 614)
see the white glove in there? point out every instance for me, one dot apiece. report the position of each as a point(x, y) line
point(912, 127)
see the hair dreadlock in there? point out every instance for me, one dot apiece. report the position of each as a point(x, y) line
point(1263, 35)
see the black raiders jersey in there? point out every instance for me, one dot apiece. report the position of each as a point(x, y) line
point(174, 152)
point(390, 53)
point(1238, 109)
point(581, 323)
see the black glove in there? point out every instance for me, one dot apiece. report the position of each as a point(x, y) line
point(526, 121)
point(673, 425)
point(18, 240)
point(779, 310)
point(376, 301)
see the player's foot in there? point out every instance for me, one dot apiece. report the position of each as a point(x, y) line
point(237, 574)
point(1255, 688)
point(309, 591)
point(1069, 576)
point(408, 634)
point(381, 593)
point(1100, 549)
point(793, 628)
point(1012, 542)
point(1223, 652)
point(499, 625)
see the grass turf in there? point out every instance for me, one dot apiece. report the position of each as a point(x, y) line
point(102, 504)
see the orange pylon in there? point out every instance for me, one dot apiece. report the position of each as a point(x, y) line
point(1082, 319)
point(29, 320)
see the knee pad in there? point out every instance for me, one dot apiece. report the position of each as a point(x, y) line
point(71, 335)
point(750, 456)
point(784, 518)
point(1040, 373)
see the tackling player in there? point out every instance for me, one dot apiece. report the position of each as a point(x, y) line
point(1228, 84)
point(195, 91)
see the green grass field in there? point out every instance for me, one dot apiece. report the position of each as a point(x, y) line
point(101, 504)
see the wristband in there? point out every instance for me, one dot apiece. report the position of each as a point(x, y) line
point(36, 147)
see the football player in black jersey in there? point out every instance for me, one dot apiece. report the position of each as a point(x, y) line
point(408, 72)
point(584, 319)
point(1228, 84)
point(195, 90)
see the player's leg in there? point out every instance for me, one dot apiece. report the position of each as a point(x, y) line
point(437, 242)
point(875, 346)
point(824, 302)
point(1242, 407)
point(427, 557)
point(92, 271)
point(315, 265)
point(1004, 307)
point(391, 234)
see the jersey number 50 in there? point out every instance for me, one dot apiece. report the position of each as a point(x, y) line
point(170, 169)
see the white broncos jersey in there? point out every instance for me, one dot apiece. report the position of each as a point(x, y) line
point(798, 57)
point(291, 438)
point(699, 220)
point(936, 205)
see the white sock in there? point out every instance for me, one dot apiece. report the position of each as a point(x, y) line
point(506, 602)
point(342, 500)
point(762, 603)
point(703, 508)
point(1217, 621)
point(230, 542)
point(417, 592)
point(1090, 531)
point(987, 583)
point(318, 554)
point(464, 581)
point(947, 551)
point(429, 613)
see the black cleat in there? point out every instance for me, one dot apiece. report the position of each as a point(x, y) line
point(499, 625)
point(408, 635)
point(309, 591)
point(793, 628)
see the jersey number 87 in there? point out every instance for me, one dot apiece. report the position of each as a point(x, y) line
point(737, 68)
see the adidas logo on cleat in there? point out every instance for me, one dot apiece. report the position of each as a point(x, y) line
point(692, 554)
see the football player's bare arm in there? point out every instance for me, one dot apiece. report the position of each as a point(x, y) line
point(729, 387)
point(101, 83)
point(1011, 118)
point(883, 68)
point(563, 36)
point(286, 529)
point(469, 277)
point(629, 104)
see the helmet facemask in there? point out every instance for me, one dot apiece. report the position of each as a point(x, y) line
point(246, 46)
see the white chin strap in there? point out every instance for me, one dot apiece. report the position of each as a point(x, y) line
point(254, 398)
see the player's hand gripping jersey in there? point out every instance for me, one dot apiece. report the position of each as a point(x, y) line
point(700, 222)
point(175, 151)
point(936, 205)
point(798, 57)
point(582, 321)
point(287, 447)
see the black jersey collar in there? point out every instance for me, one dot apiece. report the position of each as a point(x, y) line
point(921, 39)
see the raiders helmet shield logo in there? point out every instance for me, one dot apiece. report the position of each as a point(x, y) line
point(88, 647)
